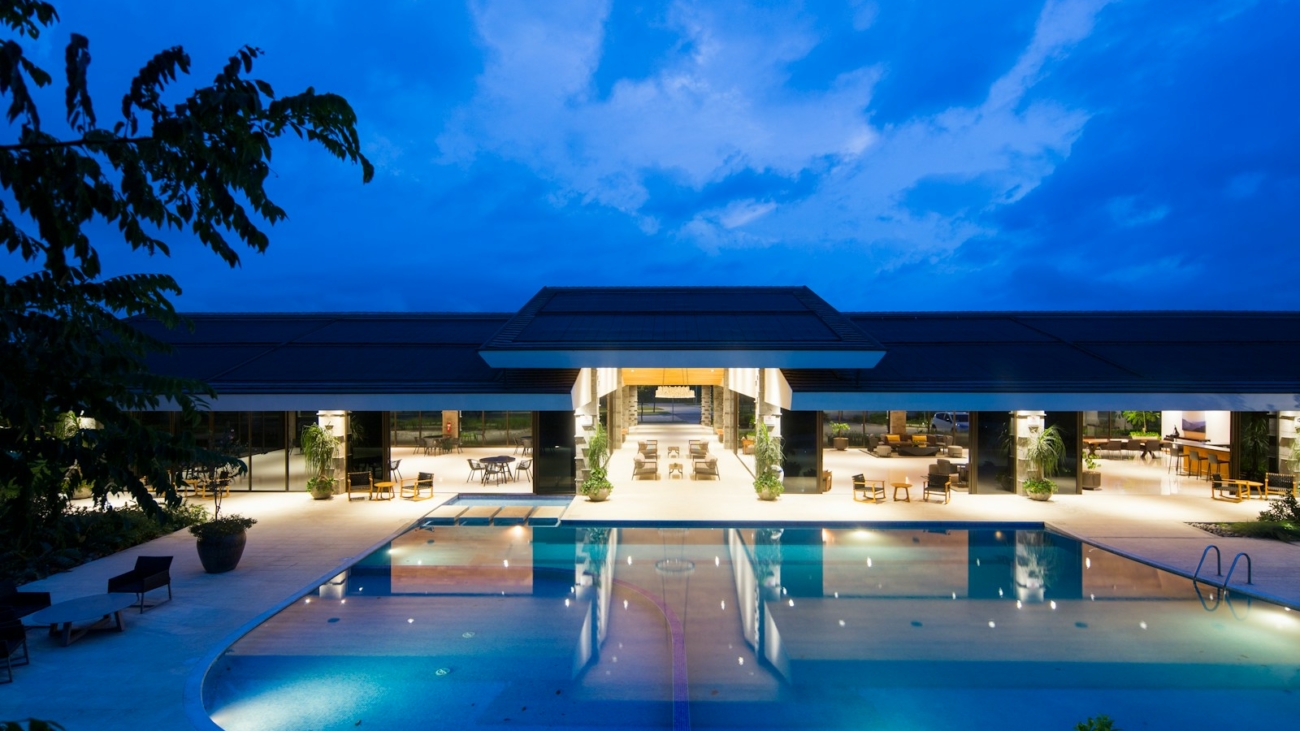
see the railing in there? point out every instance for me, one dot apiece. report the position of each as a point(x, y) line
point(1218, 562)
point(1223, 594)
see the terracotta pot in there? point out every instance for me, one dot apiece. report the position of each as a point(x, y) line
point(222, 553)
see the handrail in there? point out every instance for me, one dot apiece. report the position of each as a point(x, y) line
point(1249, 569)
point(1218, 562)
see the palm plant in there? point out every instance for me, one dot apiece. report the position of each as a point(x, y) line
point(767, 459)
point(320, 448)
point(598, 461)
point(1045, 452)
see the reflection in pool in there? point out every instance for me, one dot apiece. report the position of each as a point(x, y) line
point(719, 627)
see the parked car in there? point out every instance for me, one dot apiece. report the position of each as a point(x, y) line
point(949, 421)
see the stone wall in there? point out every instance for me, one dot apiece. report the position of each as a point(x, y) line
point(706, 405)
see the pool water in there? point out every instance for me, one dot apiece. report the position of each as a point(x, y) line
point(757, 628)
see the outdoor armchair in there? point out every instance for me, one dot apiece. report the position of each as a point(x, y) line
point(643, 468)
point(21, 603)
point(13, 644)
point(360, 482)
point(936, 484)
point(705, 468)
point(150, 572)
point(1278, 484)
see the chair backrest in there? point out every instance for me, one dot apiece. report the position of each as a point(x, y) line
point(474, 464)
point(424, 478)
point(393, 465)
point(152, 564)
point(859, 479)
point(358, 478)
point(934, 481)
point(525, 464)
point(1273, 479)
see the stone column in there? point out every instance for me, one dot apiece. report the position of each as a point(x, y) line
point(706, 405)
point(898, 422)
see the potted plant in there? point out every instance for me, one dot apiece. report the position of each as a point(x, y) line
point(767, 465)
point(1044, 453)
point(320, 449)
point(1091, 476)
point(839, 435)
point(597, 486)
point(221, 540)
point(1039, 488)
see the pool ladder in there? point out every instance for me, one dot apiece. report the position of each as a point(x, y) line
point(1223, 585)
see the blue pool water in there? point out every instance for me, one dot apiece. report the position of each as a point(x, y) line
point(757, 628)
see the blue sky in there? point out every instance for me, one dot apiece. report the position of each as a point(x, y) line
point(1073, 154)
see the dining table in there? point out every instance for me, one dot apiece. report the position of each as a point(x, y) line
point(500, 466)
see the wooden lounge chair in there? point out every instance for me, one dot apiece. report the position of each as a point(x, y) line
point(705, 468)
point(422, 480)
point(1278, 484)
point(865, 490)
point(1229, 490)
point(643, 468)
point(936, 484)
point(362, 482)
point(150, 572)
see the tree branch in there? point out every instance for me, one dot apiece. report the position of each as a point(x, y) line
point(83, 142)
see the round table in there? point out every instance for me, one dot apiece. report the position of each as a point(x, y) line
point(100, 608)
point(503, 460)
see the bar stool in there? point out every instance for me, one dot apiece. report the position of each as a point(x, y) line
point(1214, 464)
point(1175, 457)
point(1193, 463)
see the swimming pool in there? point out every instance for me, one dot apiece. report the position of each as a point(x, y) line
point(721, 627)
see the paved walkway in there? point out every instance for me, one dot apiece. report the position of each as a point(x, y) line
point(137, 679)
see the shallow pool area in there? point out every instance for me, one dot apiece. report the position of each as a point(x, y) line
point(757, 627)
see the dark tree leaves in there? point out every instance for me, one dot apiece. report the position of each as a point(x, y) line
point(197, 166)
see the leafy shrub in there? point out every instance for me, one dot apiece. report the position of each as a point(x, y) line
point(227, 525)
point(1100, 723)
point(85, 534)
point(1286, 510)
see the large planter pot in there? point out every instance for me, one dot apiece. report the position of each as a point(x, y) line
point(599, 496)
point(222, 553)
point(1091, 480)
point(1039, 496)
point(767, 495)
point(322, 493)
point(840, 443)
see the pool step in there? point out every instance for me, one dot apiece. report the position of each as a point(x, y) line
point(479, 515)
point(444, 515)
point(547, 515)
point(541, 515)
point(512, 515)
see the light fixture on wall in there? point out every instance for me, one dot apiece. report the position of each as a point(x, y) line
point(674, 392)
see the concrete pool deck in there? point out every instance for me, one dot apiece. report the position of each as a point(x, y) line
point(137, 679)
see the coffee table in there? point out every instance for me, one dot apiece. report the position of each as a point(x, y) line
point(97, 609)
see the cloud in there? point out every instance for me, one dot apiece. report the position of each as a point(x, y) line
point(719, 105)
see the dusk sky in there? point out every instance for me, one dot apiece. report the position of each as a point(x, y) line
point(1001, 154)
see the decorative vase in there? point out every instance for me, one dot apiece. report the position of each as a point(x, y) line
point(221, 553)
point(599, 496)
